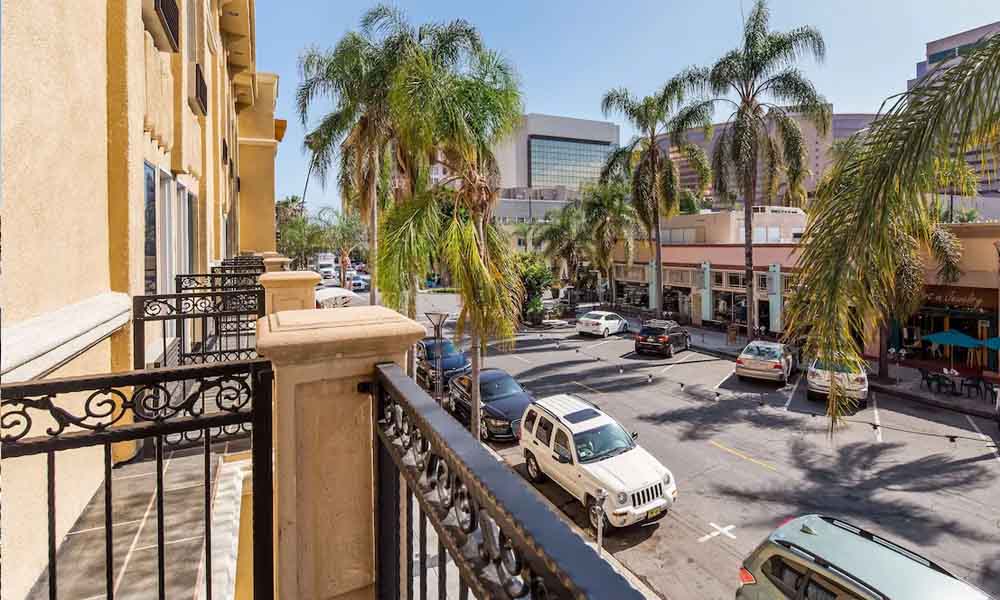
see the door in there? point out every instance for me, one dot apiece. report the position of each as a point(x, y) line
point(677, 337)
point(461, 402)
point(565, 473)
point(540, 446)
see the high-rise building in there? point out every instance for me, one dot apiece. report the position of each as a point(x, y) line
point(548, 151)
point(817, 146)
point(945, 53)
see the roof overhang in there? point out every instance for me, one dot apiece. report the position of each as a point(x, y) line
point(237, 26)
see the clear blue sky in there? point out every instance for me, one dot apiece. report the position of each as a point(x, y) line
point(568, 53)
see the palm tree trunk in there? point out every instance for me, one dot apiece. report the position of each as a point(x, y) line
point(657, 241)
point(373, 227)
point(411, 309)
point(883, 351)
point(748, 247)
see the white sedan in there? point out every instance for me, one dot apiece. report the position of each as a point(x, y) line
point(599, 322)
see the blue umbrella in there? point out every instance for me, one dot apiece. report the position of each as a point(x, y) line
point(993, 343)
point(953, 338)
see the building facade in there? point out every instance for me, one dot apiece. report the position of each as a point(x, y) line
point(138, 143)
point(945, 53)
point(817, 146)
point(548, 151)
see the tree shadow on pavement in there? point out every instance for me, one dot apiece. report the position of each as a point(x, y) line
point(863, 483)
point(712, 414)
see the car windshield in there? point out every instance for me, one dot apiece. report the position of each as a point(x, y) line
point(602, 442)
point(823, 365)
point(498, 388)
point(447, 349)
point(652, 331)
point(593, 315)
point(762, 352)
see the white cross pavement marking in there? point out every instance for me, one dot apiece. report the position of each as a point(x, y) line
point(718, 530)
point(982, 435)
point(878, 424)
point(795, 390)
point(674, 364)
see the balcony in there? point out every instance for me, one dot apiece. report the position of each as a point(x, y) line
point(317, 469)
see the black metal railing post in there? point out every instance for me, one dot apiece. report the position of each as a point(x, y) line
point(263, 486)
point(387, 515)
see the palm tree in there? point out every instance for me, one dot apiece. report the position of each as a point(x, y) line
point(528, 231)
point(565, 241)
point(653, 172)
point(344, 232)
point(759, 83)
point(356, 76)
point(612, 220)
point(456, 114)
point(875, 203)
point(301, 237)
point(412, 234)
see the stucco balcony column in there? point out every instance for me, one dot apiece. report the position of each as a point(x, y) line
point(324, 505)
point(276, 263)
point(289, 290)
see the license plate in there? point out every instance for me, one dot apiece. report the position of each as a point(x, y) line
point(654, 513)
point(650, 339)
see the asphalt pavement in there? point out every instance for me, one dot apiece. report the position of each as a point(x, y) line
point(748, 455)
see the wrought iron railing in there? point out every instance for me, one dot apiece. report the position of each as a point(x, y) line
point(504, 539)
point(45, 418)
point(212, 282)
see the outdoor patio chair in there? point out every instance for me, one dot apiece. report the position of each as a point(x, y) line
point(926, 378)
point(972, 383)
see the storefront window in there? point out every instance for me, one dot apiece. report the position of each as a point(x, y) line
point(717, 278)
point(735, 280)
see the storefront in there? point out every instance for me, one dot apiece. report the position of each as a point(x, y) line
point(972, 311)
point(677, 302)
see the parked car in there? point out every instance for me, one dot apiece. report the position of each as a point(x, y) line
point(453, 362)
point(852, 380)
point(361, 283)
point(599, 322)
point(583, 449)
point(502, 402)
point(663, 337)
point(766, 360)
point(823, 558)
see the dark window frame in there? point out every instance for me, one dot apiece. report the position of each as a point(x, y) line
point(543, 420)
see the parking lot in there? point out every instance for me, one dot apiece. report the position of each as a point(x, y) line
point(747, 455)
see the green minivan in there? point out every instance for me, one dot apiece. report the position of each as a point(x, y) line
point(815, 557)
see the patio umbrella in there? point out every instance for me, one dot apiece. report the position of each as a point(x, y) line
point(953, 338)
point(993, 343)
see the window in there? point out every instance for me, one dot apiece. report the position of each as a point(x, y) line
point(544, 433)
point(717, 278)
point(784, 576)
point(735, 280)
point(149, 173)
point(561, 445)
point(192, 231)
point(565, 162)
point(165, 233)
point(761, 282)
point(520, 242)
point(529, 421)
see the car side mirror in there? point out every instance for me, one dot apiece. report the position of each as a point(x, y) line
point(562, 458)
point(635, 435)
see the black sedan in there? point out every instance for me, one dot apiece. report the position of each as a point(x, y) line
point(453, 362)
point(503, 402)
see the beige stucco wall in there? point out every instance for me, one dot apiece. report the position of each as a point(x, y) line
point(257, 149)
point(55, 211)
point(78, 476)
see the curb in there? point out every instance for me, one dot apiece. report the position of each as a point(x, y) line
point(975, 412)
point(715, 352)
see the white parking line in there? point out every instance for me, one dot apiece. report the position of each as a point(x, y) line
point(607, 341)
point(795, 390)
point(674, 364)
point(983, 436)
point(718, 530)
point(728, 375)
point(878, 424)
point(587, 387)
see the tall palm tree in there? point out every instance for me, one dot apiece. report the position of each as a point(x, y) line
point(356, 76)
point(457, 114)
point(612, 220)
point(764, 93)
point(876, 200)
point(565, 241)
point(301, 237)
point(528, 231)
point(344, 232)
point(412, 234)
point(651, 169)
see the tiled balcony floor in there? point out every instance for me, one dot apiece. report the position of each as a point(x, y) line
point(80, 562)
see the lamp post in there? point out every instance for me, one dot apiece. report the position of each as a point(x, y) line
point(437, 320)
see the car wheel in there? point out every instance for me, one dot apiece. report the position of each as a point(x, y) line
point(687, 343)
point(592, 517)
point(625, 327)
point(606, 332)
point(534, 472)
point(670, 350)
point(484, 434)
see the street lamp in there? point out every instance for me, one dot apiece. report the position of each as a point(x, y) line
point(437, 320)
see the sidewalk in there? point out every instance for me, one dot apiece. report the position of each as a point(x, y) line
point(905, 381)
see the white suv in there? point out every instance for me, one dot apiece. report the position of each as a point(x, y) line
point(583, 449)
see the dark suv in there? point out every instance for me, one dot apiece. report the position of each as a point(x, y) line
point(453, 362)
point(663, 337)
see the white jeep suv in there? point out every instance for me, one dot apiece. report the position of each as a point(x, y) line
point(583, 450)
